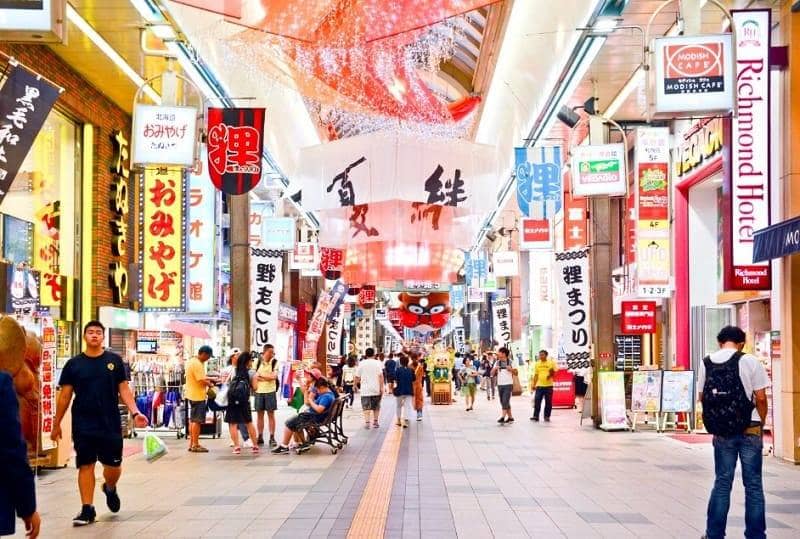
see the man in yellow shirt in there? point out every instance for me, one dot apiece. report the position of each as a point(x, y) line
point(543, 372)
point(197, 384)
point(266, 393)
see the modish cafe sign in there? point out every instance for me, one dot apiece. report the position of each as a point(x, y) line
point(747, 179)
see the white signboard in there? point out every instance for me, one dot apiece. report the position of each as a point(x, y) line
point(279, 233)
point(693, 73)
point(599, 170)
point(164, 135)
point(750, 150)
point(501, 318)
point(505, 263)
point(200, 263)
point(474, 295)
point(333, 346)
point(572, 274)
point(304, 256)
point(378, 167)
point(32, 20)
point(266, 283)
point(459, 342)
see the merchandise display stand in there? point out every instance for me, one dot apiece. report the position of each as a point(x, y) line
point(157, 382)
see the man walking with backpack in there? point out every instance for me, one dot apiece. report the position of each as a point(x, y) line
point(733, 392)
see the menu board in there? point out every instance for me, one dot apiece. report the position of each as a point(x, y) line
point(646, 391)
point(613, 414)
point(677, 391)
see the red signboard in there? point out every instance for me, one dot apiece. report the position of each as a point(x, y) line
point(638, 317)
point(535, 233)
point(235, 147)
point(563, 389)
point(575, 227)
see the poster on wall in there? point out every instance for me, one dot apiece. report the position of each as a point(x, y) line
point(235, 147)
point(164, 135)
point(200, 260)
point(539, 187)
point(162, 255)
point(501, 319)
point(23, 290)
point(572, 274)
point(748, 181)
point(613, 415)
point(266, 284)
point(599, 170)
point(48, 377)
point(693, 74)
point(652, 237)
point(646, 391)
point(677, 391)
point(25, 101)
point(17, 240)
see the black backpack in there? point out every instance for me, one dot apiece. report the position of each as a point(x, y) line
point(239, 391)
point(727, 409)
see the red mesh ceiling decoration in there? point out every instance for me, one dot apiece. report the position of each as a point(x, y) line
point(355, 47)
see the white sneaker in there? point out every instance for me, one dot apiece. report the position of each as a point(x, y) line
point(248, 443)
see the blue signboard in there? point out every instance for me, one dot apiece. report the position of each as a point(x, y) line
point(539, 185)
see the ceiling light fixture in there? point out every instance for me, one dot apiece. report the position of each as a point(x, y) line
point(76, 19)
point(605, 25)
point(148, 11)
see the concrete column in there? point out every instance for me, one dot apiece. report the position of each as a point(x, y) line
point(602, 294)
point(239, 209)
point(789, 392)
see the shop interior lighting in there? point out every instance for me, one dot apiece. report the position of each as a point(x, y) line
point(587, 51)
point(605, 25)
point(148, 10)
point(76, 19)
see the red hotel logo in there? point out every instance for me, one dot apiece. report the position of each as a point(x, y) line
point(694, 68)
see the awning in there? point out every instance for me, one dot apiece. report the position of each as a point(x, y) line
point(189, 330)
point(777, 240)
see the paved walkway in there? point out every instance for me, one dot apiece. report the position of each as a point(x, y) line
point(458, 474)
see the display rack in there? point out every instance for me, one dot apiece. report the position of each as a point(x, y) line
point(628, 352)
point(157, 381)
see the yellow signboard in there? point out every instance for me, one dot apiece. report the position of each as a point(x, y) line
point(162, 245)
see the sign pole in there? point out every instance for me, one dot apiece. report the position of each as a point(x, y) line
point(239, 210)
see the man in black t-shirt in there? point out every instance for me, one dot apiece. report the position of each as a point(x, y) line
point(98, 381)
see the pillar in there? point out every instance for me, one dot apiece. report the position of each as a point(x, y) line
point(239, 210)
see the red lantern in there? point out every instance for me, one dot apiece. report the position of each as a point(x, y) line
point(366, 297)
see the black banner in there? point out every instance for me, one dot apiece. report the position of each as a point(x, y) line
point(25, 102)
point(777, 241)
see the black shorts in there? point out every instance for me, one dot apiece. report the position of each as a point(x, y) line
point(197, 411)
point(266, 402)
point(301, 421)
point(91, 449)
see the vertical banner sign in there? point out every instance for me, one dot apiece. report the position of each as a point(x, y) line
point(200, 262)
point(328, 302)
point(333, 347)
point(501, 316)
point(539, 188)
point(118, 195)
point(459, 342)
point(25, 102)
point(748, 181)
point(304, 256)
point(48, 377)
point(457, 297)
point(572, 274)
point(365, 333)
point(266, 284)
point(652, 201)
point(162, 239)
point(235, 147)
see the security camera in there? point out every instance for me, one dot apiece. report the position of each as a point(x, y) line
point(568, 116)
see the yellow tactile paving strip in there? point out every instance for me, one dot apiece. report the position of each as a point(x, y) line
point(369, 521)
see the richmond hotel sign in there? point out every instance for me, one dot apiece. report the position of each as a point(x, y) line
point(747, 182)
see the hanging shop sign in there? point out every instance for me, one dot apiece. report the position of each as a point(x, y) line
point(749, 176)
point(539, 188)
point(38, 21)
point(25, 101)
point(260, 210)
point(118, 197)
point(599, 170)
point(505, 263)
point(378, 167)
point(304, 256)
point(52, 288)
point(638, 317)
point(47, 375)
point(278, 233)
point(46, 234)
point(459, 340)
point(540, 294)
point(476, 267)
point(331, 262)
point(652, 237)
point(574, 222)
point(266, 278)
point(457, 297)
point(200, 263)
point(700, 145)
point(694, 74)
point(161, 232)
point(328, 302)
point(501, 318)
point(235, 147)
point(287, 313)
point(535, 234)
point(164, 135)
point(365, 334)
point(572, 273)
point(333, 345)
point(23, 290)
point(474, 295)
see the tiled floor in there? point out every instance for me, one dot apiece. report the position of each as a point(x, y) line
point(458, 474)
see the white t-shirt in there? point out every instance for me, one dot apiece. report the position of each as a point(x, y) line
point(504, 376)
point(369, 371)
point(751, 372)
